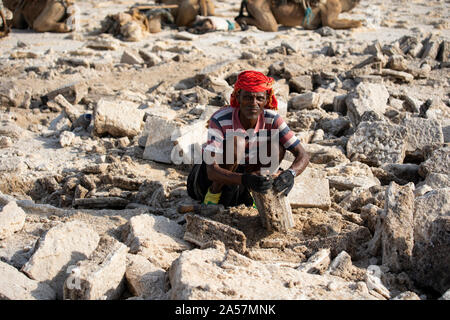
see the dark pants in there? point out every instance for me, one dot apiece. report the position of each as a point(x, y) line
point(232, 195)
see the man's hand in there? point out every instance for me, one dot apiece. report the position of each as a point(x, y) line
point(257, 183)
point(284, 182)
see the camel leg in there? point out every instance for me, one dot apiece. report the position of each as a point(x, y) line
point(330, 13)
point(5, 27)
point(210, 7)
point(18, 21)
point(260, 15)
point(203, 8)
point(47, 20)
point(186, 13)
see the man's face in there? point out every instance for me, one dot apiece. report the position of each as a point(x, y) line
point(252, 103)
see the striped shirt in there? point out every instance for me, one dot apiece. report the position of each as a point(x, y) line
point(225, 122)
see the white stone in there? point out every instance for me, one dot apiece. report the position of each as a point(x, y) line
point(14, 285)
point(366, 97)
point(129, 57)
point(374, 283)
point(351, 175)
point(60, 123)
point(119, 119)
point(61, 247)
point(420, 191)
point(101, 276)
point(422, 135)
point(323, 154)
point(12, 219)
point(66, 138)
point(188, 147)
point(446, 295)
point(397, 235)
point(157, 238)
point(427, 208)
point(437, 180)
point(342, 266)
point(317, 263)
point(220, 274)
point(158, 111)
point(144, 278)
point(310, 191)
point(308, 100)
point(150, 58)
point(407, 295)
point(161, 133)
point(438, 162)
point(72, 93)
point(377, 143)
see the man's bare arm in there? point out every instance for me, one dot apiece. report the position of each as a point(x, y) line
point(223, 175)
point(301, 159)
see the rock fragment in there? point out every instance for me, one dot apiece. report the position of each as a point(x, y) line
point(374, 283)
point(308, 100)
point(145, 279)
point(366, 97)
point(72, 92)
point(101, 276)
point(301, 84)
point(14, 285)
point(428, 208)
point(66, 138)
point(431, 259)
point(129, 57)
point(155, 237)
point(62, 246)
point(437, 162)
point(377, 143)
point(422, 135)
point(203, 231)
point(317, 263)
point(310, 192)
point(397, 237)
point(216, 273)
point(159, 145)
point(351, 175)
point(12, 219)
point(407, 295)
point(342, 267)
point(109, 118)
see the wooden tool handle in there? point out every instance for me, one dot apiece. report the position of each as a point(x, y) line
point(167, 6)
point(186, 208)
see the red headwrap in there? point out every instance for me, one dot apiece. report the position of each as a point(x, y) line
point(254, 81)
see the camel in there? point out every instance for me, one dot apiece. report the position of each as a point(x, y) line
point(266, 15)
point(188, 10)
point(43, 15)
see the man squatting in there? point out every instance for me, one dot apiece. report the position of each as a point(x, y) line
point(252, 109)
